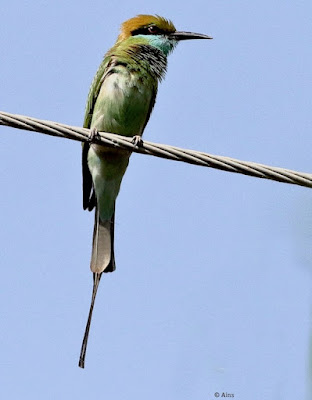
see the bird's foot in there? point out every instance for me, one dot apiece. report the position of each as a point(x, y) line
point(137, 141)
point(94, 133)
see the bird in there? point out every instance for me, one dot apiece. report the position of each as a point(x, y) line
point(121, 98)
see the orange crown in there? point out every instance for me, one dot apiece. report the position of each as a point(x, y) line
point(144, 21)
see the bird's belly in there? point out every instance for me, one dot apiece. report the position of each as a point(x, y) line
point(123, 105)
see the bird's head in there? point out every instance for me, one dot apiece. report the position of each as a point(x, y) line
point(156, 31)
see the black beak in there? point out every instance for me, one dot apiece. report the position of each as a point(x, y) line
point(188, 35)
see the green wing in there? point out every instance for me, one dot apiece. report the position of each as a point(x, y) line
point(87, 185)
point(94, 90)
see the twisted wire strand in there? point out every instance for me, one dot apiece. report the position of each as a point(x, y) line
point(158, 150)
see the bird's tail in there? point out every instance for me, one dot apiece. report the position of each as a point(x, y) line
point(102, 260)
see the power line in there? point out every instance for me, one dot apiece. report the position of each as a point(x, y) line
point(158, 150)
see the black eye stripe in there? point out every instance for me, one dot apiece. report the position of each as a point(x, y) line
point(149, 30)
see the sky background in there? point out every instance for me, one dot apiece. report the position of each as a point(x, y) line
point(212, 291)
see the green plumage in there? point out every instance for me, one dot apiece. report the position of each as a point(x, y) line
point(120, 101)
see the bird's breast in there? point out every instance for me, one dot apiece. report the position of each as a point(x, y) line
point(124, 102)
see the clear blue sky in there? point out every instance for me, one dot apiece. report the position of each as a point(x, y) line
point(212, 291)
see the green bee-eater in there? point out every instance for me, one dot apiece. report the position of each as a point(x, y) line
point(120, 100)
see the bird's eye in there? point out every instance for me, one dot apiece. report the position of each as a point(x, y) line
point(147, 30)
point(152, 29)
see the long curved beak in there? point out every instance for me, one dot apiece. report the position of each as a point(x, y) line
point(188, 35)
